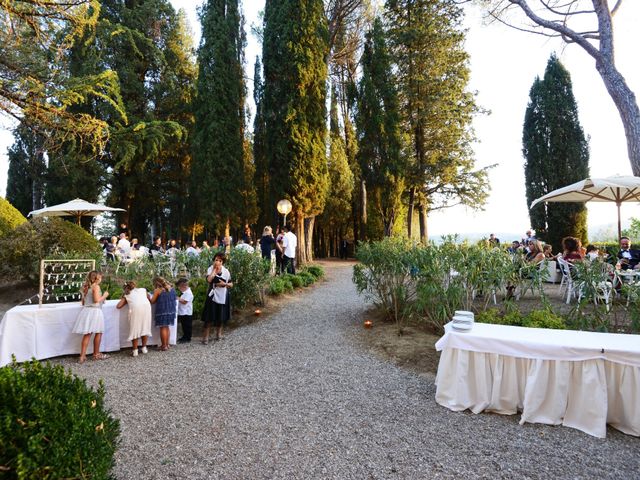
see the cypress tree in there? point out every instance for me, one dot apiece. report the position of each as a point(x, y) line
point(26, 170)
point(295, 49)
point(259, 157)
point(379, 138)
point(556, 154)
point(218, 173)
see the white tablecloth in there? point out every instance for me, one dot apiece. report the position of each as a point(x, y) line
point(582, 380)
point(30, 331)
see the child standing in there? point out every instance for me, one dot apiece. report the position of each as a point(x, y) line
point(164, 296)
point(185, 309)
point(139, 315)
point(90, 319)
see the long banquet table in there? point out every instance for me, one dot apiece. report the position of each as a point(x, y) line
point(583, 380)
point(30, 331)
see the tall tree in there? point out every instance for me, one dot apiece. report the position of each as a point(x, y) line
point(259, 157)
point(588, 24)
point(295, 49)
point(556, 154)
point(35, 36)
point(379, 130)
point(427, 44)
point(25, 179)
point(218, 174)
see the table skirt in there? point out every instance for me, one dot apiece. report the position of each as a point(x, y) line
point(30, 331)
point(586, 395)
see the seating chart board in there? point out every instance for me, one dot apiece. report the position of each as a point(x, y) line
point(61, 280)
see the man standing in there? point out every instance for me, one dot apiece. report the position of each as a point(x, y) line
point(289, 242)
point(628, 257)
point(493, 240)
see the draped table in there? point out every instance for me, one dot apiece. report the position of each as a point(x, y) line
point(583, 380)
point(28, 331)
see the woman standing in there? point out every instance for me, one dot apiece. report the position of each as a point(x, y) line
point(165, 299)
point(267, 243)
point(216, 306)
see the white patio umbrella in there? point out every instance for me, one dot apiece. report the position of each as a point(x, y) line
point(75, 208)
point(617, 189)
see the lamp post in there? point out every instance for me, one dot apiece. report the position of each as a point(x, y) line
point(284, 207)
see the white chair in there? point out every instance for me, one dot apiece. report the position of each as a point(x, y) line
point(567, 278)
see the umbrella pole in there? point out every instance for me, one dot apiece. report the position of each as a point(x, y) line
point(619, 226)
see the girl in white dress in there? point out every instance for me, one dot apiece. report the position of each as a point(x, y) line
point(139, 315)
point(90, 319)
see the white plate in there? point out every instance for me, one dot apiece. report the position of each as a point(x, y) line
point(458, 319)
point(462, 327)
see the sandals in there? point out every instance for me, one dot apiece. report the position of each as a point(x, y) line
point(205, 341)
point(82, 360)
point(101, 356)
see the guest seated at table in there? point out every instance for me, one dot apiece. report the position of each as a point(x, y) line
point(535, 254)
point(193, 249)
point(157, 245)
point(592, 252)
point(548, 252)
point(172, 248)
point(572, 249)
point(135, 245)
point(515, 247)
point(111, 248)
point(628, 257)
point(124, 246)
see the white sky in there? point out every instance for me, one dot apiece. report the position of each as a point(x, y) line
point(504, 63)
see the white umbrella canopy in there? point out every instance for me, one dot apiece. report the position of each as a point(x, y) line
point(75, 208)
point(617, 189)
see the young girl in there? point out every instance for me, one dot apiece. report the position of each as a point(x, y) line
point(164, 296)
point(139, 315)
point(216, 306)
point(90, 319)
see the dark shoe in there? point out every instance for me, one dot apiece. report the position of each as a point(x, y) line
point(184, 340)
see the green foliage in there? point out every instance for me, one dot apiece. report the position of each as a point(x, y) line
point(557, 154)
point(10, 217)
point(378, 121)
point(306, 277)
point(315, 270)
point(52, 425)
point(199, 287)
point(276, 286)
point(544, 319)
point(39, 238)
point(295, 280)
point(249, 274)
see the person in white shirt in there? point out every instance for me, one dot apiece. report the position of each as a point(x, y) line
point(193, 249)
point(124, 247)
point(245, 246)
point(289, 242)
point(185, 310)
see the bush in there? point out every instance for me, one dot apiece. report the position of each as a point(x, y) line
point(10, 217)
point(544, 319)
point(295, 280)
point(249, 274)
point(276, 286)
point(52, 425)
point(39, 238)
point(307, 278)
point(316, 270)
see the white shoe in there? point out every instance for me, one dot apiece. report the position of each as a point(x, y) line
point(134, 352)
point(144, 350)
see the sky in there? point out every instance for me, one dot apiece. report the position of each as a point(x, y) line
point(504, 63)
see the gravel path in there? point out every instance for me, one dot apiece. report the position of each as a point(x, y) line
point(295, 397)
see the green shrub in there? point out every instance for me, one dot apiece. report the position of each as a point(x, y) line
point(276, 286)
point(492, 315)
point(52, 425)
point(307, 278)
point(288, 286)
point(249, 273)
point(513, 318)
point(39, 238)
point(10, 217)
point(199, 287)
point(544, 319)
point(315, 270)
point(295, 280)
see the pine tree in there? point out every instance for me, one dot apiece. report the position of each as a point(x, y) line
point(427, 45)
point(556, 154)
point(295, 48)
point(26, 170)
point(379, 136)
point(218, 173)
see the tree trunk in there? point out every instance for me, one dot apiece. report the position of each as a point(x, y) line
point(422, 211)
point(363, 211)
point(412, 200)
point(308, 235)
point(625, 101)
point(301, 251)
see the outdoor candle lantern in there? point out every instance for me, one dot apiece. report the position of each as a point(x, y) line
point(368, 324)
point(257, 312)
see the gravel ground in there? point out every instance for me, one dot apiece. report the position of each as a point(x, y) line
point(295, 397)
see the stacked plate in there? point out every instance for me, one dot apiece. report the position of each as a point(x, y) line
point(462, 321)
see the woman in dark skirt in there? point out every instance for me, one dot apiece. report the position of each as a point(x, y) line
point(164, 296)
point(217, 310)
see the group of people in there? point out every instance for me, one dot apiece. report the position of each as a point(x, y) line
point(168, 305)
point(284, 244)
